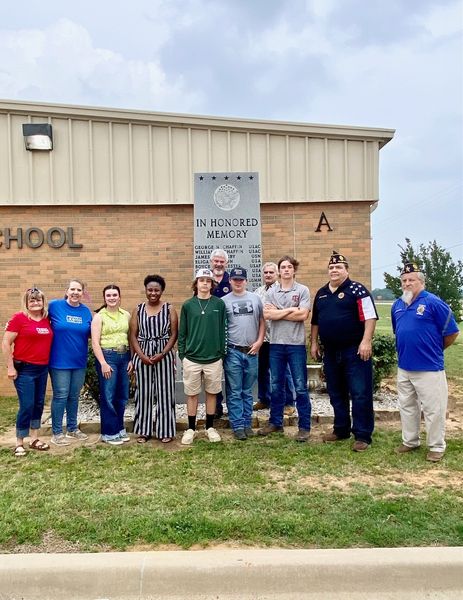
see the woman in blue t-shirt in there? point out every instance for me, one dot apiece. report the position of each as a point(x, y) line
point(70, 321)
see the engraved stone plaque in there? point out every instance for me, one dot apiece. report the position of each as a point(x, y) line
point(227, 215)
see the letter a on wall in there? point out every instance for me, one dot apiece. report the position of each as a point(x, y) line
point(323, 222)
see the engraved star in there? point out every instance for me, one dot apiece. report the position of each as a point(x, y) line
point(251, 177)
point(226, 177)
point(239, 177)
point(214, 177)
point(201, 178)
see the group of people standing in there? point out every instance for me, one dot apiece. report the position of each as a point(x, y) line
point(53, 339)
point(226, 330)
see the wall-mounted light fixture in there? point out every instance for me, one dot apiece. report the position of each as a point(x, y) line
point(38, 136)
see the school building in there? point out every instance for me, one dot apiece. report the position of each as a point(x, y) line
point(107, 195)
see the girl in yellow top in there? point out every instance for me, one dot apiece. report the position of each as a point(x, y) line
point(110, 342)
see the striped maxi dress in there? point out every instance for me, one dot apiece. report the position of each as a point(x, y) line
point(155, 393)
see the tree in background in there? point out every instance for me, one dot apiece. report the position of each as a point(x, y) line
point(444, 277)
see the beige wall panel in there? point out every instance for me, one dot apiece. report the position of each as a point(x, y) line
point(182, 167)
point(41, 182)
point(258, 162)
point(101, 157)
point(355, 180)
point(317, 169)
point(5, 182)
point(277, 174)
point(371, 170)
point(336, 170)
point(161, 165)
point(199, 151)
point(297, 166)
point(108, 156)
point(61, 163)
point(21, 162)
point(219, 151)
point(81, 160)
point(238, 152)
point(122, 163)
point(142, 180)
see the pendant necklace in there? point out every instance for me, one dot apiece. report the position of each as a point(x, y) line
point(203, 310)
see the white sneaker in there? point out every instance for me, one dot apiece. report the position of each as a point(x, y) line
point(124, 437)
point(60, 440)
point(114, 442)
point(213, 435)
point(188, 437)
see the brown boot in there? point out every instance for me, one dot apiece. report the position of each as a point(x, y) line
point(360, 446)
point(332, 437)
point(434, 456)
point(302, 435)
point(259, 405)
point(402, 449)
point(269, 428)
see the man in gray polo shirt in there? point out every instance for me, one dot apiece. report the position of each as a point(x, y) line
point(287, 307)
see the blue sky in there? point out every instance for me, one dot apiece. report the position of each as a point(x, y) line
point(395, 64)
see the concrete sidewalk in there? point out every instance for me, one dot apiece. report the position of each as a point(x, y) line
point(356, 574)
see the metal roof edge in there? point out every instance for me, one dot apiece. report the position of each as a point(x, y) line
point(382, 135)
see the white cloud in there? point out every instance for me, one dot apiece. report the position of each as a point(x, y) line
point(442, 21)
point(62, 64)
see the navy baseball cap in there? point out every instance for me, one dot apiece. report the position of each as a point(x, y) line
point(238, 273)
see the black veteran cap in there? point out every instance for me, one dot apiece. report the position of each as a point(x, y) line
point(337, 259)
point(410, 267)
point(238, 273)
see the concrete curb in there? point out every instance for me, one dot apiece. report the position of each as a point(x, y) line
point(363, 574)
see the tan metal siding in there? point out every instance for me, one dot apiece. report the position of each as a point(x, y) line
point(116, 157)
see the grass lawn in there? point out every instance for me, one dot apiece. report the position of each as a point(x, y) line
point(264, 492)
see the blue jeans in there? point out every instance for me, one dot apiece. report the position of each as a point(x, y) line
point(241, 375)
point(348, 375)
point(294, 357)
point(114, 394)
point(30, 384)
point(264, 392)
point(66, 384)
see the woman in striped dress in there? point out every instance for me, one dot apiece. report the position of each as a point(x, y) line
point(153, 333)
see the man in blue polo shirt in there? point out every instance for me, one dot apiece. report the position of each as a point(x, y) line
point(344, 317)
point(424, 326)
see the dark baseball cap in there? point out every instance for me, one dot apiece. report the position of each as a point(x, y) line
point(238, 273)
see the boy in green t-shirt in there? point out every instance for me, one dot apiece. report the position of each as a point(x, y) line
point(201, 348)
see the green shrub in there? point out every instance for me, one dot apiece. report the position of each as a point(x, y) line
point(384, 358)
point(91, 385)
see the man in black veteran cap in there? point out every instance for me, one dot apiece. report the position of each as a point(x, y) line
point(344, 318)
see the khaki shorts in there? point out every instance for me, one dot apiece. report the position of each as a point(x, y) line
point(194, 374)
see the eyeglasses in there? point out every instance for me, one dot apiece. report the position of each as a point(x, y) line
point(34, 290)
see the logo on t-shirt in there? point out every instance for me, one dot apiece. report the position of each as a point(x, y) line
point(42, 330)
point(421, 308)
point(242, 307)
point(295, 299)
point(73, 319)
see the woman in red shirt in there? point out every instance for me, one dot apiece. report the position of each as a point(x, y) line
point(26, 346)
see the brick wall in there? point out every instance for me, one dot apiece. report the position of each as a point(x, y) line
point(122, 244)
